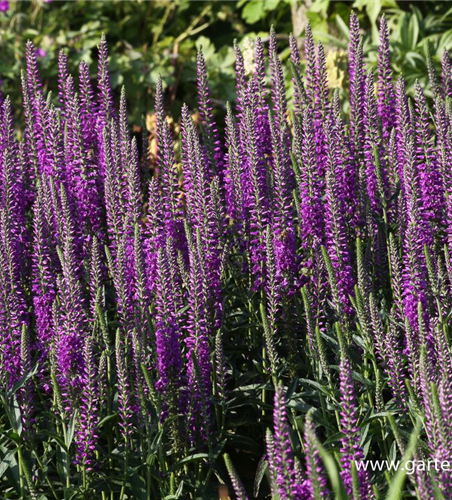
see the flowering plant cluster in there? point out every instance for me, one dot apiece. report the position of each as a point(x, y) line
point(258, 292)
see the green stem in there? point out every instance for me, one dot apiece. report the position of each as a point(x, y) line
point(84, 478)
point(126, 465)
point(52, 489)
point(263, 395)
point(21, 475)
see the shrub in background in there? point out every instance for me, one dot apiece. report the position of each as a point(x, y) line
point(148, 39)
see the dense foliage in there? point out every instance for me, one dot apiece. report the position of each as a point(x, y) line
point(274, 303)
point(160, 38)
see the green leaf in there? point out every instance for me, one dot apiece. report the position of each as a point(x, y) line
point(14, 436)
point(71, 430)
point(343, 28)
point(260, 473)
point(16, 420)
point(138, 486)
point(253, 11)
point(396, 486)
point(12, 474)
point(373, 10)
point(193, 458)
point(108, 419)
point(22, 381)
point(413, 29)
point(7, 462)
point(215, 453)
point(62, 462)
point(179, 489)
point(159, 436)
point(333, 473)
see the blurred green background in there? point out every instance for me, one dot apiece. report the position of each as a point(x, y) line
point(151, 38)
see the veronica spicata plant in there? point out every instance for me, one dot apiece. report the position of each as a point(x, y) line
point(270, 298)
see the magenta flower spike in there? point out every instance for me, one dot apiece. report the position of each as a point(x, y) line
point(351, 450)
point(212, 142)
point(385, 85)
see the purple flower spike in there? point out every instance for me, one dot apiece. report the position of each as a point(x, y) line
point(168, 174)
point(357, 85)
point(105, 93)
point(167, 332)
point(87, 434)
point(351, 450)
point(212, 141)
point(241, 83)
point(385, 85)
point(317, 483)
point(300, 96)
point(87, 104)
point(427, 163)
point(278, 86)
point(446, 75)
point(336, 230)
point(281, 455)
point(310, 56)
point(376, 178)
